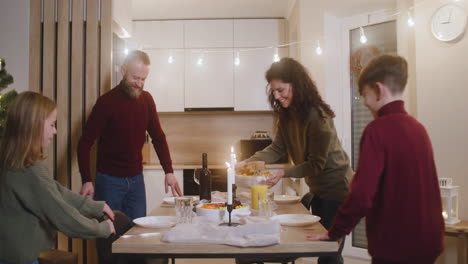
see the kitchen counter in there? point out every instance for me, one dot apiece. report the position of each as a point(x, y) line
point(210, 166)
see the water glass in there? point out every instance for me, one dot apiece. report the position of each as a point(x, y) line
point(183, 206)
point(264, 208)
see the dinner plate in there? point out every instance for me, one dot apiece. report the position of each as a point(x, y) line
point(296, 219)
point(156, 221)
point(171, 200)
point(282, 199)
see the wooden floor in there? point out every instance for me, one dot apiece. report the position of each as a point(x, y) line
point(347, 260)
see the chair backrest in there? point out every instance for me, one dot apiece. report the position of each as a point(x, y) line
point(104, 245)
point(306, 200)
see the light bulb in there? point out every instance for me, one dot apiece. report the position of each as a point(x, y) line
point(318, 50)
point(200, 61)
point(276, 57)
point(410, 20)
point(170, 59)
point(362, 38)
point(126, 51)
point(237, 59)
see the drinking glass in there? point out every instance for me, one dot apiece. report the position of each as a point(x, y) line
point(264, 208)
point(183, 206)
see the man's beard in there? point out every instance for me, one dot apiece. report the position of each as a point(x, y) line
point(128, 89)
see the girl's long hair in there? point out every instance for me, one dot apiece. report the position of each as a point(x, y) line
point(305, 93)
point(21, 145)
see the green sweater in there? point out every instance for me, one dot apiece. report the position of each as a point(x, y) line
point(33, 207)
point(317, 154)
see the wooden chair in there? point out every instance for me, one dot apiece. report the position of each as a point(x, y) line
point(54, 256)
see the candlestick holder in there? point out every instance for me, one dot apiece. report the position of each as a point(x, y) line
point(229, 209)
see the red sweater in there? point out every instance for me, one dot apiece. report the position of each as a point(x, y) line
point(396, 188)
point(120, 124)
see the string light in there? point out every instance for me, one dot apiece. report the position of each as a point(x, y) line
point(362, 38)
point(200, 60)
point(237, 59)
point(318, 50)
point(276, 57)
point(410, 20)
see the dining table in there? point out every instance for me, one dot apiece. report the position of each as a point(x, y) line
point(147, 242)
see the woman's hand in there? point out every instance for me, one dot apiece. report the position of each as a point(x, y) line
point(273, 180)
point(322, 237)
point(240, 164)
point(108, 211)
point(111, 226)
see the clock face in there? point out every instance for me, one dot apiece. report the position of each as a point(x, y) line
point(448, 22)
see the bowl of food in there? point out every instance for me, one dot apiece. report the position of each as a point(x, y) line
point(218, 211)
point(252, 173)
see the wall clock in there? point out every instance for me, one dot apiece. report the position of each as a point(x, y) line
point(448, 22)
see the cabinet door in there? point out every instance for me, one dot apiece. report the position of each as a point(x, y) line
point(159, 34)
point(164, 81)
point(209, 78)
point(154, 186)
point(208, 33)
point(250, 85)
point(258, 32)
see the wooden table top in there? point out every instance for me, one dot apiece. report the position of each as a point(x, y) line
point(293, 241)
point(461, 227)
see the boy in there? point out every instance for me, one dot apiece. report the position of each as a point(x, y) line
point(395, 186)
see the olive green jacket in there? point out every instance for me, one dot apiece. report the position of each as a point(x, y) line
point(316, 152)
point(33, 207)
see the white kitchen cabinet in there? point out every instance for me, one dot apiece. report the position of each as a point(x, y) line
point(209, 80)
point(208, 33)
point(154, 184)
point(250, 85)
point(164, 81)
point(258, 32)
point(159, 34)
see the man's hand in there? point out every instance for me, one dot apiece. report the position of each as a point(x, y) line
point(171, 181)
point(87, 189)
point(273, 180)
point(108, 211)
point(322, 237)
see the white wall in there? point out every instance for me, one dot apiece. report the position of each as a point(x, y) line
point(442, 94)
point(14, 41)
point(122, 18)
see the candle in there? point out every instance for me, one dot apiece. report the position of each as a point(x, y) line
point(233, 163)
point(230, 177)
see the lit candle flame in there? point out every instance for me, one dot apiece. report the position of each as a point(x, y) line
point(232, 149)
point(444, 215)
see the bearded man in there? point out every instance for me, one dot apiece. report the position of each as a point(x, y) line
point(119, 121)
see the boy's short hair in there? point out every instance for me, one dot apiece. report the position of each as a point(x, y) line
point(137, 55)
point(390, 70)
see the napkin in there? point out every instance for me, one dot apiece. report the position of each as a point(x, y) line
point(254, 233)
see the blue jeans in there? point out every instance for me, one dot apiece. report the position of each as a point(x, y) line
point(126, 194)
point(327, 210)
point(32, 262)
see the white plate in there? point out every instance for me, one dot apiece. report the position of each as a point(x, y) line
point(282, 199)
point(171, 200)
point(156, 221)
point(296, 219)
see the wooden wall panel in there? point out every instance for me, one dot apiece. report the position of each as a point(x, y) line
point(63, 93)
point(92, 90)
point(76, 116)
point(70, 62)
point(48, 68)
point(106, 46)
point(35, 43)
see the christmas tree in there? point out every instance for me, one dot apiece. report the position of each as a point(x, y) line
point(5, 99)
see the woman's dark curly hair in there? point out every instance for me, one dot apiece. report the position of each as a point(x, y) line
point(305, 93)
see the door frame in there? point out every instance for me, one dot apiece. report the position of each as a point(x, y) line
point(347, 24)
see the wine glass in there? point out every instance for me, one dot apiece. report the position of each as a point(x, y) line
point(196, 176)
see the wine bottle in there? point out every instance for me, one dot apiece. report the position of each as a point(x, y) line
point(205, 179)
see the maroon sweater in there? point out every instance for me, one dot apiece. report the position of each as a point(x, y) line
point(396, 188)
point(120, 124)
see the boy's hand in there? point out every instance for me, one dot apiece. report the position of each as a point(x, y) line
point(171, 181)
